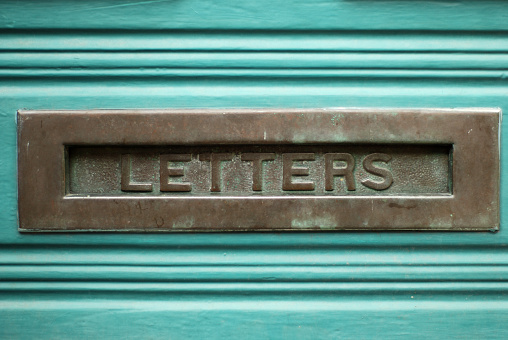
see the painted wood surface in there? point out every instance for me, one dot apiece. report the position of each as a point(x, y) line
point(215, 54)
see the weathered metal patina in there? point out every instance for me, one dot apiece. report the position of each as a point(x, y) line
point(259, 170)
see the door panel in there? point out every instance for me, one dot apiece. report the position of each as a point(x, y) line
point(264, 54)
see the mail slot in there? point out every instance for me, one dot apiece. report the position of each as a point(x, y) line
point(401, 170)
point(261, 169)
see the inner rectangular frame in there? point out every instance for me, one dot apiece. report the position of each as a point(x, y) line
point(44, 135)
point(421, 169)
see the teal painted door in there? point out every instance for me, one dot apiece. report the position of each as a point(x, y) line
point(214, 54)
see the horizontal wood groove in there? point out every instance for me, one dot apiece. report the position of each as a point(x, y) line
point(282, 288)
point(252, 60)
point(253, 55)
point(256, 54)
point(228, 73)
point(254, 255)
point(477, 306)
point(253, 273)
point(253, 41)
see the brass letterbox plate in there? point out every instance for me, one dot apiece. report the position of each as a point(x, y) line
point(258, 170)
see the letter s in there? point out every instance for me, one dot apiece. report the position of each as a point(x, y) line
point(370, 167)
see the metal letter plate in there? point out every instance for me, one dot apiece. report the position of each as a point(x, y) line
point(258, 170)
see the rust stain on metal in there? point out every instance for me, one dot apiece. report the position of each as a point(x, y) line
point(258, 170)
